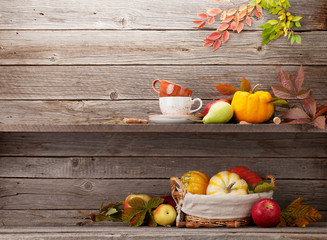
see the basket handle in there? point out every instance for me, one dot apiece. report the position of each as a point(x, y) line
point(173, 181)
point(272, 179)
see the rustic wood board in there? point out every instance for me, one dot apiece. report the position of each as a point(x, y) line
point(166, 47)
point(119, 82)
point(164, 144)
point(60, 194)
point(156, 167)
point(136, 14)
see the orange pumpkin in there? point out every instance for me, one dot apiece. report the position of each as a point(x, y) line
point(252, 107)
point(195, 182)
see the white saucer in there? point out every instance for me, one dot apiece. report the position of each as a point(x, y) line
point(173, 119)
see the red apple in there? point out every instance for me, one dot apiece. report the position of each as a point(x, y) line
point(208, 106)
point(266, 213)
point(129, 197)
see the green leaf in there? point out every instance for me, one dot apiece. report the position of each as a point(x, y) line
point(154, 202)
point(111, 211)
point(129, 213)
point(280, 102)
point(253, 3)
point(298, 39)
point(137, 219)
point(265, 40)
point(273, 22)
point(264, 187)
point(138, 203)
point(297, 24)
point(292, 40)
point(296, 18)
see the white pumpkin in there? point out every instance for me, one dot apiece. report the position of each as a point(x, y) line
point(227, 183)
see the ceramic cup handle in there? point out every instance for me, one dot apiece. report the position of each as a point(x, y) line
point(196, 100)
point(154, 87)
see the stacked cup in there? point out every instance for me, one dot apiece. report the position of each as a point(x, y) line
point(174, 99)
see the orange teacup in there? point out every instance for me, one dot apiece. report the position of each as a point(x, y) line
point(169, 89)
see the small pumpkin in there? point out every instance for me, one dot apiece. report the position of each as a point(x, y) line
point(195, 182)
point(252, 107)
point(226, 182)
point(245, 173)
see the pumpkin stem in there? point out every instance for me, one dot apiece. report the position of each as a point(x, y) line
point(229, 188)
point(256, 87)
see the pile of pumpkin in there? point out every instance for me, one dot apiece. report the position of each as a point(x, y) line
point(236, 181)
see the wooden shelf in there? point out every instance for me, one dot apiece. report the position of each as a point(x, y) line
point(111, 231)
point(167, 128)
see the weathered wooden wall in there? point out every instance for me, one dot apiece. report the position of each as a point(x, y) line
point(87, 62)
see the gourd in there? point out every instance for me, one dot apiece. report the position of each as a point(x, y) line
point(195, 182)
point(226, 182)
point(252, 107)
point(245, 173)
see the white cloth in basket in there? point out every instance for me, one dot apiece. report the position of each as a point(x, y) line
point(221, 207)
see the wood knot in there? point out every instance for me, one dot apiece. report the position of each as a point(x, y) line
point(113, 95)
point(259, 48)
point(88, 186)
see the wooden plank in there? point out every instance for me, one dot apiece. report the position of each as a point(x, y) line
point(61, 194)
point(165, 47)
point(118, 82)
point(164, 144)
point(64, 218)
point(314, 231)
point(136, 14)
point(164, 167)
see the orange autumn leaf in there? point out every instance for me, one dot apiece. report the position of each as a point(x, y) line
point(257, 14)
point(208, 44)
point(233, 25)
point(197, 21)
point(237, 19)
point(202, 16)
point(248, 21)
point(250, 9)
point(243, 14)
point(259, 8)
point(223, 27)
point(214, 36)
point(228, 19)
point(213, 12)
point(217, 44)
point(211, 20)
point(223, 15)
point(240, 27)
point(231, 12)
point(243, 8)
point(225, 36)
point(226, 89)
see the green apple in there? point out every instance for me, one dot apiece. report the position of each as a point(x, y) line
point(219, 112)
point(129, 197)
point(165, 214)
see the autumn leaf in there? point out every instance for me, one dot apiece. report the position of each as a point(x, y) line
point(245, 85)
point(223, 15)
point(214, 36)
point(298, 79)
point(216, 45)
point(197, 21)
point(309, 105)
point(223, 27)
point(231, 12)
point(240, 27)
point(228, 19)
point(226, 89)
point(225, 36)
point(285, 81)
point(213, 12)
point(257, 14)
point(211, 20)
point(233, 26)
point(259, 8)
point(320, 122)
point(295, 113)
point(208, 43)
point(202, 16)
point(201, 25)
point(248, 21)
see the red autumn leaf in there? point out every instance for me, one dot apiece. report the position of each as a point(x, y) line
point(248, 21)
point(231, 11)
point(237, 19)
point(285, 81)
point(243, 8)
point(259, 8)
point(295, 113)
point(208, 44)
point(203, 16)
point(214, 36)
point(282, 92)
point(257, 14)
point(213, 12)
point(250, 9)
point(223, 27)
point(211, 20)
point(245, 85)
point(228, 19)
point(298, 121)
point(240, 27)
point(233, 26)
point(321, 110)
point(243, 14)
point(303, 94)
point(310, 107)
point(320, 122)
point(226, 89)
point(201, 25)
point(217, 44)
point(197, 21)
point(298, 79)
point(225, 36)
point(216, 0)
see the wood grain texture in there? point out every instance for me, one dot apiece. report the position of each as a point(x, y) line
point(156, 167)
point(134, 14)
point(113, 231)
point(61, 194)
point(164, 144)
point(119, 82)
point(165, 47)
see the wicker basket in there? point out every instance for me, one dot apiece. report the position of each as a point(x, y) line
point(194, 221)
